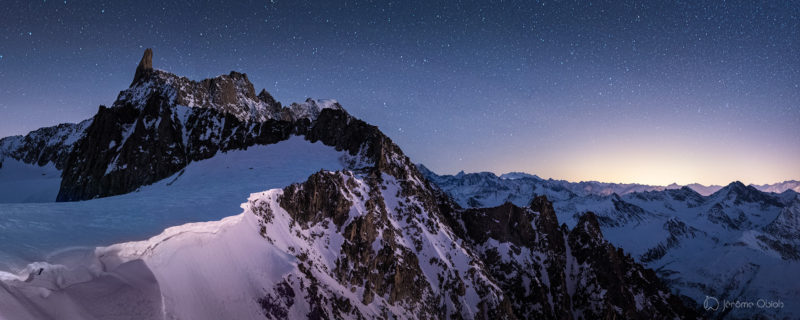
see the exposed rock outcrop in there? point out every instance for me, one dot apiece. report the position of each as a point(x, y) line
point(394, 253)
point(550, 272)
point(164, 122)
point(145, 66)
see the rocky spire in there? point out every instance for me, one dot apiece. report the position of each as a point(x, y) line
point(548, 222)
point(145, 65)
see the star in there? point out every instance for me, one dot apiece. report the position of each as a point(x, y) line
point(656, 69)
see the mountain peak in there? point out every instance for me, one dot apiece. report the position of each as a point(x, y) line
point(673, 186)
point(736, 184)
point(231, 93)
point(518, 175)
point(689, 190)
point(145, 65)
point(739, 192)
point(268, 99)
point(588, 225)
point(737, 188)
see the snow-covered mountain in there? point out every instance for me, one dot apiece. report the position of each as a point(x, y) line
point(737, 243)
point(371, 239)
point(703, 189)
point(162, 123)
point(487, 189)
point(793, 185)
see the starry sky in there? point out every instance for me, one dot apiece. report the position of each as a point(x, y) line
point(620, 91)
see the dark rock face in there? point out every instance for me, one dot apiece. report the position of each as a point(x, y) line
point(384, 250)
point(164, 122)
point(626, 284)
point(506, 223)
point(124, 148)
point(317, 198)
point(274, 105)
point(232, 93)
point(149, 134)
point(145, 65)
point(276, 305)
point(550, 272)
point(129, 146)
point(718, 215)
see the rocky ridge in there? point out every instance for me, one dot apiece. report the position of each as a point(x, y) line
point(163, 122)
point(398, 242)
point(564, 273)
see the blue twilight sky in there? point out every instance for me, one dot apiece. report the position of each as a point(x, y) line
point(622, 91)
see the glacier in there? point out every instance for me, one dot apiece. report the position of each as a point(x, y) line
point(205, 190)
point(28, 183)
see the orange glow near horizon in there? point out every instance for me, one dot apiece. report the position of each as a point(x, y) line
point(622, 155)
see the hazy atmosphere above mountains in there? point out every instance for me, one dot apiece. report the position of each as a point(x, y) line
point(609, 91)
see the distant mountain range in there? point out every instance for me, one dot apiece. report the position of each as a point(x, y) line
point(521, 180)
point(737, 243)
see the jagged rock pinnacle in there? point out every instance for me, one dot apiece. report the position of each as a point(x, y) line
point(145, 65)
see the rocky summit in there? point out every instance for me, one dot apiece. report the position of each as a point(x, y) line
point(164, 122)
point(145, 66)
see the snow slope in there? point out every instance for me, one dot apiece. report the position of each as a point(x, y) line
point(205, 190)
point(147, 275)
point(22, 182)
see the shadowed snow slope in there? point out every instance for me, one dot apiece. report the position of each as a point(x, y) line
point(22, 182)
point(205, 190)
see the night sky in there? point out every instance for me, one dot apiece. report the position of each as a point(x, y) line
point(617, 91)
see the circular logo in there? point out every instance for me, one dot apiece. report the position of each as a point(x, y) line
point(711, 303)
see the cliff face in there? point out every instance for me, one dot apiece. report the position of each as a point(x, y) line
point(551, 272)
point(392, 241)
point(129, 145)
point(163, 122)
point(388, 248)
